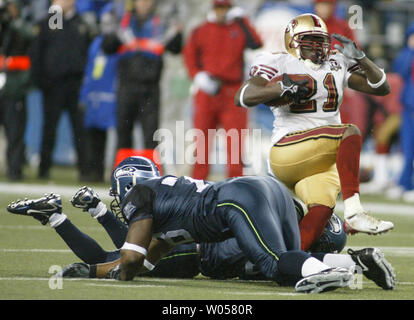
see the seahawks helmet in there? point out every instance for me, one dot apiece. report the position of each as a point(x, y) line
point(126, 175)
point(333, 239)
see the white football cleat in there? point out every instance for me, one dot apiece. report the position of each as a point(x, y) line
point(366, 223)
point(326, 280)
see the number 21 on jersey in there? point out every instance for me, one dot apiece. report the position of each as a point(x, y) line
point(331, 103)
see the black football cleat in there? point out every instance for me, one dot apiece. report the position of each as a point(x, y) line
point(326, 280)
point(40, 209)
point(374, 266)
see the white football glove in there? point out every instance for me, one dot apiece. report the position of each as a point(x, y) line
point(205, 82)
point(235, 13)
point(349, 49)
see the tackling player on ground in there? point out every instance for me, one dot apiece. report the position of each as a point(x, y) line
point(313, 153)
point(257, 211)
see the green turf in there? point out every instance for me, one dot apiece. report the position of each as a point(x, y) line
point(25, 274)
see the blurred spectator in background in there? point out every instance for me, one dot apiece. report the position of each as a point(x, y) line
point(15, 39)
point(213, 56)
point(325, 9)
point(98, 93)
point(58, 62)
point(143, 39)
point(404, 65)
point(384, 120)
point(89, 10)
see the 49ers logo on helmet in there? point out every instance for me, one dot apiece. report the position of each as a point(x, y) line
point(291, 25)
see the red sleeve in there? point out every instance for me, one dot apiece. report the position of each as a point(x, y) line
point(253, 40)
point(191, 53)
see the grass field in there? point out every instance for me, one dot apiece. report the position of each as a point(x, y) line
point(28, 250)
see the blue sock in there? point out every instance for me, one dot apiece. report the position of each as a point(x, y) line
point(290, 267)
point(114, 227)
point(86, 248)
point(318, 255)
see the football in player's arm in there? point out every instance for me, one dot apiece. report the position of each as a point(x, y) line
point(368, 79)
point(313, 153)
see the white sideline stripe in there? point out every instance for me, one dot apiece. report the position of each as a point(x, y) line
point(37, 250)
point(260, 293)
point(69, 191)
point(391, 251)
point(125, 285)
point(41, 189)
point(158, 286)
point(42, 228)
point(383, 208)
point(47, 279)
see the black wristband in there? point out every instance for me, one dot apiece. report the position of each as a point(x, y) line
point(92, 270)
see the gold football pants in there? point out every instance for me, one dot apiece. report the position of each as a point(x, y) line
point(305, 162)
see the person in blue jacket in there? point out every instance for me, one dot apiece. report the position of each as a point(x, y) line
point(98, 95)
point(404, 65)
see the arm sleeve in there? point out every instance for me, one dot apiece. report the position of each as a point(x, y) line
point(110, 43)
point(253, 40)
point(191, 53)
point(267, 66)
point(175, 44)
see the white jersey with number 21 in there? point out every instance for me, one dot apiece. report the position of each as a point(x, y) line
point(325, 96)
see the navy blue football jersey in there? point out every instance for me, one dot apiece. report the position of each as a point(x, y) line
point(182, 209)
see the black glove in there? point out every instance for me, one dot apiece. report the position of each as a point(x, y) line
point(85, 198)
point(76, 270)
point(115, 273)
point(296, 90)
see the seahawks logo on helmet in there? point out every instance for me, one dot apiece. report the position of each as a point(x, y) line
point(128, 171)
point(125, 171)
point(333, 239)
point(335, 224)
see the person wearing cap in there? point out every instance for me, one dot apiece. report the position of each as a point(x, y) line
point(213, 55)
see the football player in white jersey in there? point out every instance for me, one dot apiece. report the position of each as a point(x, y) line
point(313, 153)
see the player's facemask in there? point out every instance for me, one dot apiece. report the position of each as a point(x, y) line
point(315, 48)
point(127, 174)
point(307, 39)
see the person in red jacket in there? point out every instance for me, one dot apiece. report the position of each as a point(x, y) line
point(326, 10)
point(213, 55)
